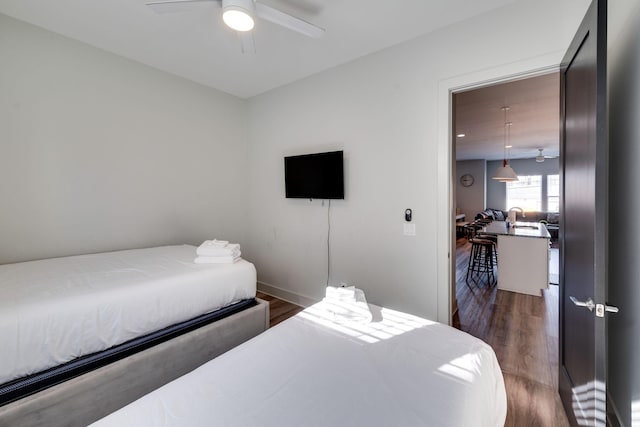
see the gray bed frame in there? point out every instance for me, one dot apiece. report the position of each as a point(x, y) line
point(89, 397)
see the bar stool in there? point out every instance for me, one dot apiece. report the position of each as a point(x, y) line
point(494, 238)
point(461, 229)
point(481, 261)
point(473, 228)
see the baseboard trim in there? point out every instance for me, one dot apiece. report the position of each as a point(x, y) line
point(285, 295)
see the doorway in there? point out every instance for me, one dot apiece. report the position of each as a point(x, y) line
point(522, 329)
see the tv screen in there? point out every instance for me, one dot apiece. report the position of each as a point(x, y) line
point(314, 176)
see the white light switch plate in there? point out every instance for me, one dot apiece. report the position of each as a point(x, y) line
point(409, 229)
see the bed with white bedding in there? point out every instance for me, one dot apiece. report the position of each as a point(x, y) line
point(398, 370)
point(56, 311)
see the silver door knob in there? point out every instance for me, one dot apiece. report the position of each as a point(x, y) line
point(588, 303)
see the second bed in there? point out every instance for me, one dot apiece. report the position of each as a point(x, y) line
point(398, 370)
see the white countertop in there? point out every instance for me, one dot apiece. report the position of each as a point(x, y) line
point(519, 229)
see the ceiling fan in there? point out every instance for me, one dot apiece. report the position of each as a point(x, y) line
point(540, 157)
point(240, 15)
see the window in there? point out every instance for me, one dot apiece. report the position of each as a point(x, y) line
point(526, 193)
point(553, 193)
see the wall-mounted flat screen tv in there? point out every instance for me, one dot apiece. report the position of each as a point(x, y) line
point(314, 176)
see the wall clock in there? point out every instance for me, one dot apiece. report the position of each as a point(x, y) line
point(466, 180)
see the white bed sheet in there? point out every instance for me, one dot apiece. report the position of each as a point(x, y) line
point(399, 370)
point(55, 310)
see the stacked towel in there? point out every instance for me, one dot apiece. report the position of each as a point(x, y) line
point(216, 259)
point(218, 248)
point(217, 252)
point(346, 304)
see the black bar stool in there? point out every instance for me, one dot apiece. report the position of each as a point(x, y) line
point(461, 229)
point(481, 261)
point(494, 238)
point(473, 228)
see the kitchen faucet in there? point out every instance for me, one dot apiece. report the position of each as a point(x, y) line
point(515, 216)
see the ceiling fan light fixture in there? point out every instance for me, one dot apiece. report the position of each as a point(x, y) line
point(238, 14)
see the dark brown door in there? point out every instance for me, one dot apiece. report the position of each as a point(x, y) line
point(584, 221)
point(623, 328)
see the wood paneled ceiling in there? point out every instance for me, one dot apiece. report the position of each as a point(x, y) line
point(534, 113)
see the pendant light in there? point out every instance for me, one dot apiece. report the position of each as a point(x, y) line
point(505, 173)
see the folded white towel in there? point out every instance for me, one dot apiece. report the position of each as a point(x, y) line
point(229, 250)
point(341, 293)
point(218, 248)
point(216, 259)
point(234, 253)
point(346, 305)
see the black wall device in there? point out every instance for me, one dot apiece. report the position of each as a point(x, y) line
point(407, 215)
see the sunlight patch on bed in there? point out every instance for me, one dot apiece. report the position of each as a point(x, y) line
point(464, 368)
point(392, 324)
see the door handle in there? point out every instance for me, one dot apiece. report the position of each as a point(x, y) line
point(588, 303)
point(602, 308)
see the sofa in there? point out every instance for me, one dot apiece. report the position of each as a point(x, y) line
point(492, 214)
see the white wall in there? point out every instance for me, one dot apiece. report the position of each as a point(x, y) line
point(100, 153)
point(471, 200)
point(383, 110)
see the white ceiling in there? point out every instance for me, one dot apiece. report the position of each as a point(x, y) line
point(196, 45)
point(534, 113)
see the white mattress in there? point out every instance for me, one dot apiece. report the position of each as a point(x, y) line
point(55, 310)
point(399, 370)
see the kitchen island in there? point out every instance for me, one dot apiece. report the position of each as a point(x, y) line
point(523, 256)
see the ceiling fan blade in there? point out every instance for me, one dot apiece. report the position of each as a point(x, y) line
point(171, 6)
point(291, 22)
point(247, 44)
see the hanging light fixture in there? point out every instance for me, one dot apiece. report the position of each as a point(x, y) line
point(505, 173)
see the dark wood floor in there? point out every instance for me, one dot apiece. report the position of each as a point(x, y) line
point(523, 332)
point(279, 310)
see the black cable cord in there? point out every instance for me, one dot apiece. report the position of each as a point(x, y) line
point(328, 235)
